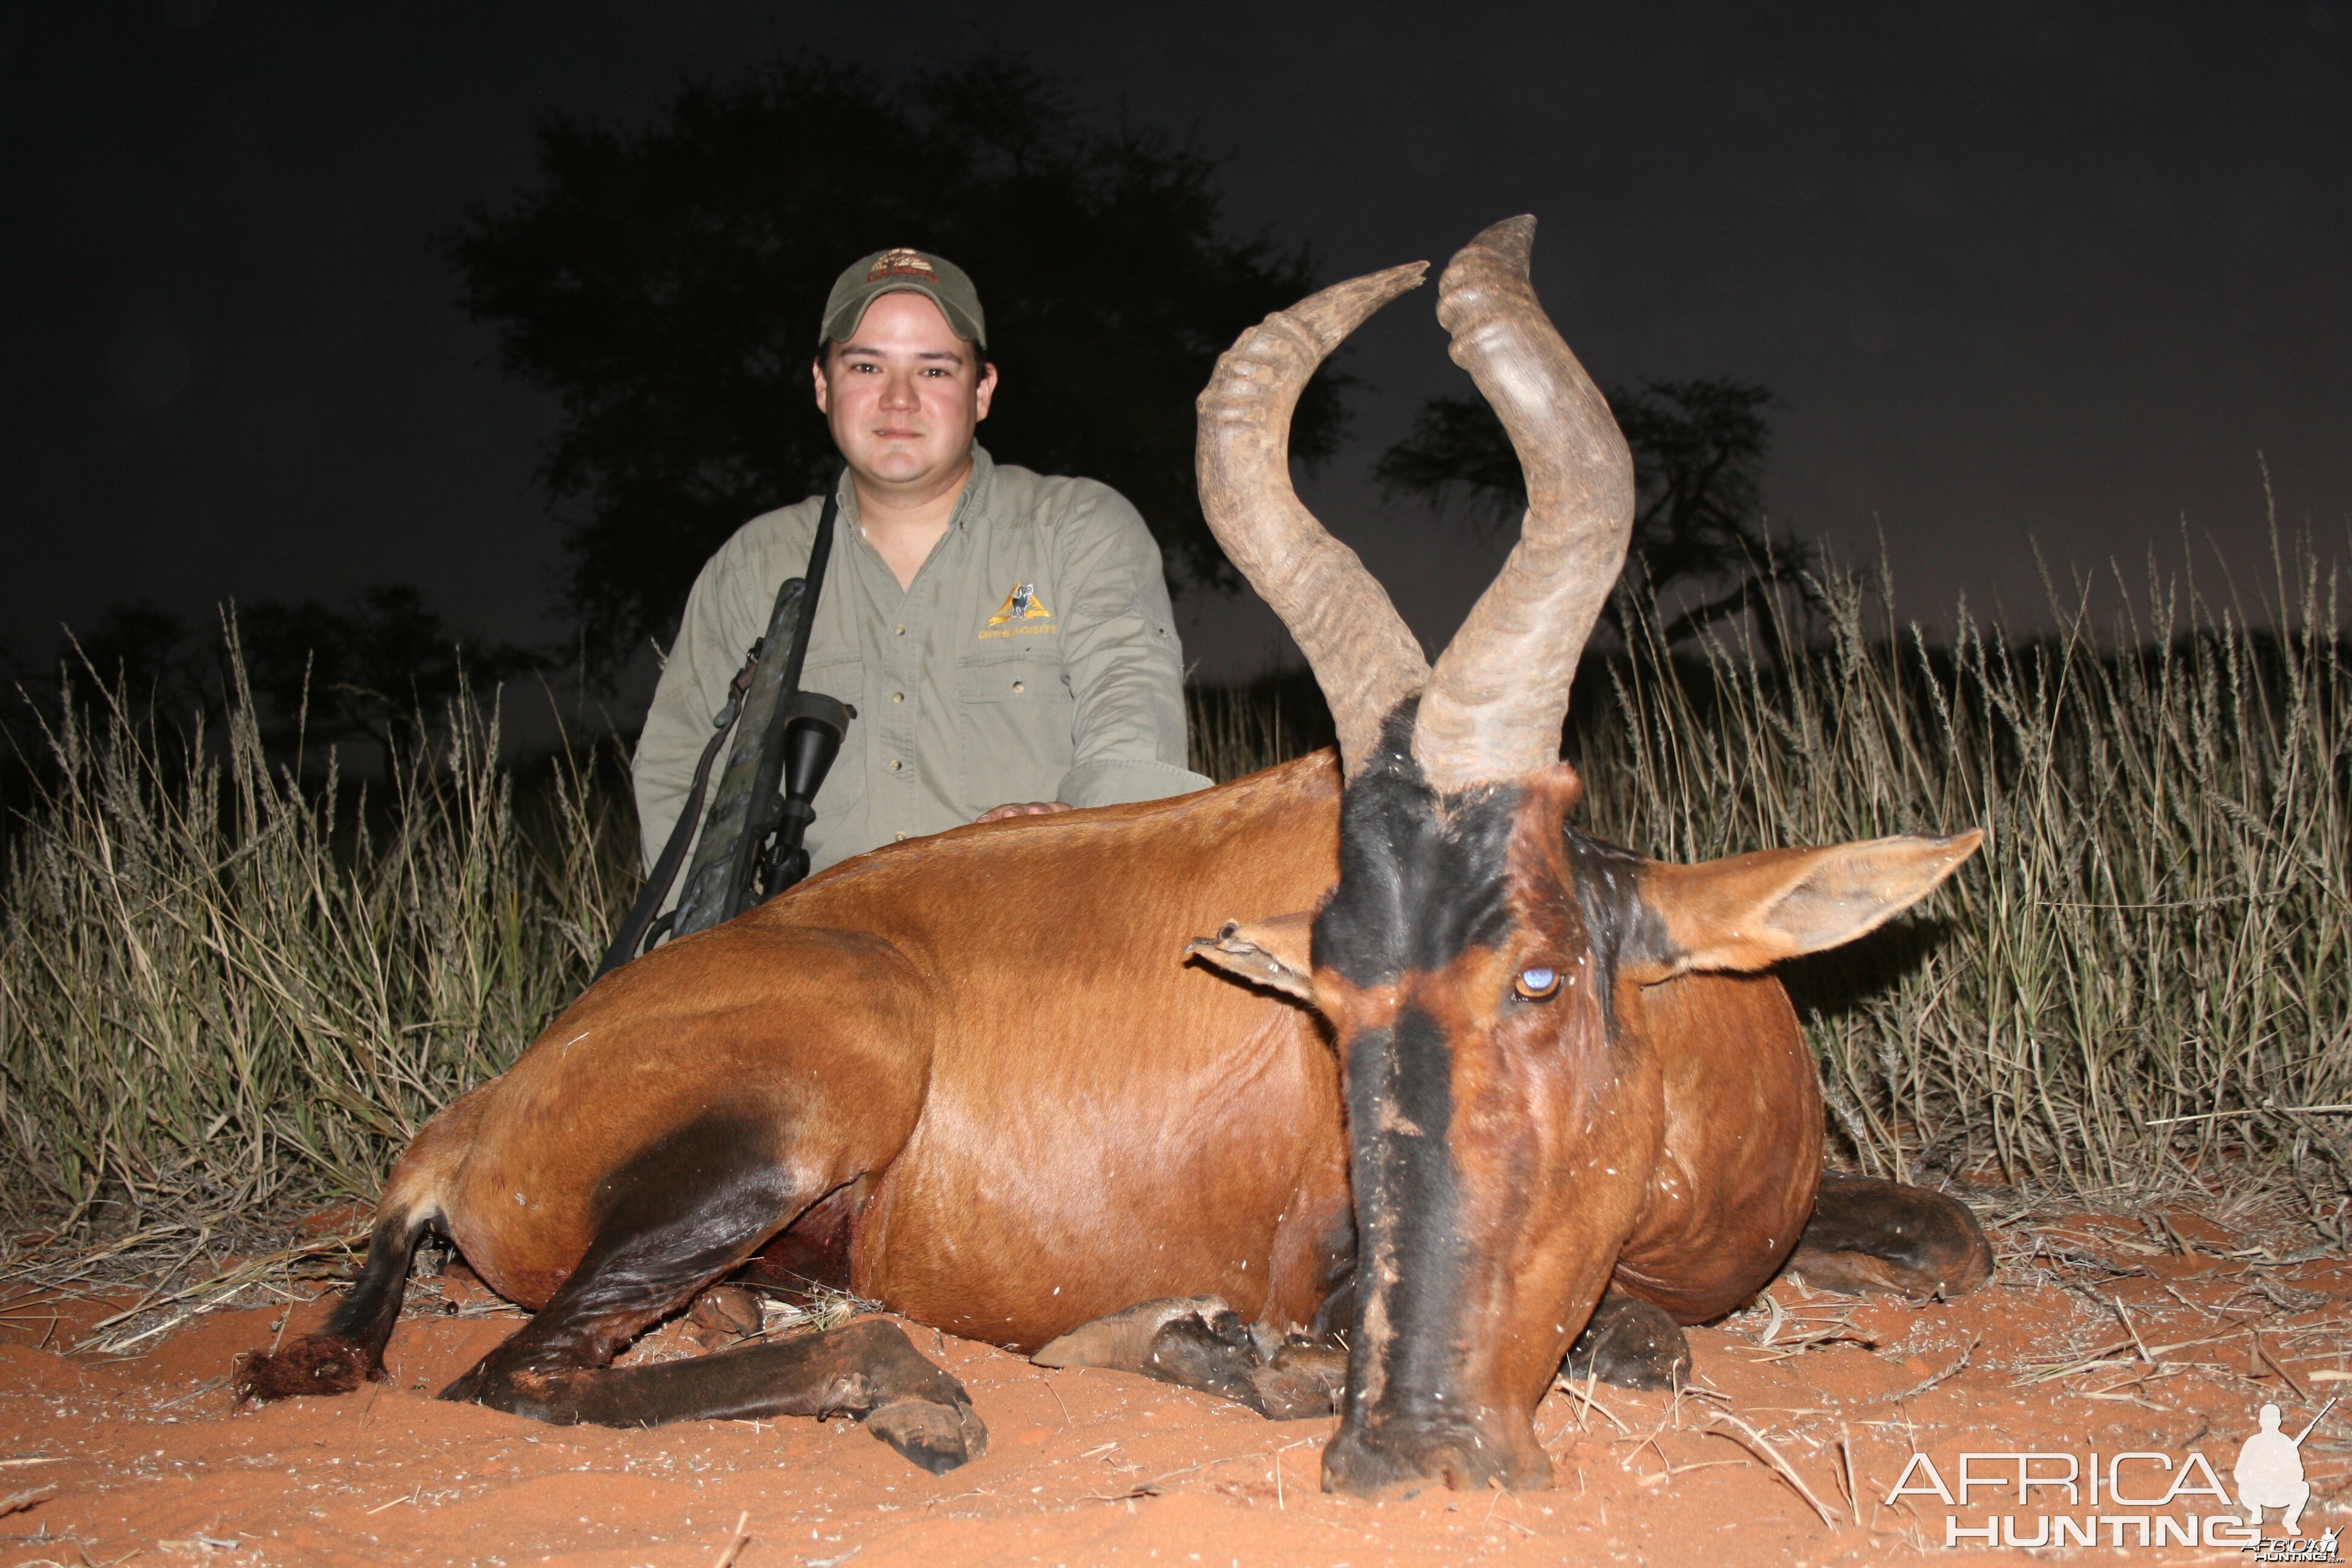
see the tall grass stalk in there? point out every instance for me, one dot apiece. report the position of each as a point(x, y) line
point(223, 984)
point(1233, 731)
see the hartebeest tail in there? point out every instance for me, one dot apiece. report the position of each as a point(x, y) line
point(348, 1350)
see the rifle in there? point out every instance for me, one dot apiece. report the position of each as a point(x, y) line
point(750, 846)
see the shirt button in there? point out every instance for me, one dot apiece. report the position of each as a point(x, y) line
point(896, 764)
point(899, 631)
point(897, 697)
point(1018, 685)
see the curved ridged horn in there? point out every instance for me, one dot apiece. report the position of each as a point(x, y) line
point(1363, 655)
point(1499, 690)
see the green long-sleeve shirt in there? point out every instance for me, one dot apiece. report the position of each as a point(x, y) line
point(1034, 658)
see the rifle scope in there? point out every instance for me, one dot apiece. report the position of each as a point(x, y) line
point(814, 724)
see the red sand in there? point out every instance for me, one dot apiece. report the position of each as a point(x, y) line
point(148, 1459)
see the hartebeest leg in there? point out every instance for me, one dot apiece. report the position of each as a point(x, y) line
point(1869, 1235)
point(1199, 1342)
point(1630, 1344)
point(678, 1217)
point(869, 1370)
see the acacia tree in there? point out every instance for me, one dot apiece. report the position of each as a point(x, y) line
point(665, 283)
point(1698, 451)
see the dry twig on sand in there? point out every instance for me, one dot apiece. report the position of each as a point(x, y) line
point(1813, 1325)
point(22, 1500)
point(200, 1297)
point(1763, 1450)
point(1949, 1372)
point(736, 1542)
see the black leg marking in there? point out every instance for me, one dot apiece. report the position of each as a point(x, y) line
point(1630, 1344)
point(1872, 1236)
point(349, 1351)
point(1199, 1342)
point(675, 1218)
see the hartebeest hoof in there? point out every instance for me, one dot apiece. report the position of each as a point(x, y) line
point(724, 1315)
point(1213, 1352)
point(1630, 1344)
point(1122, 1340)
point(1872, 1236)
point(1199, 1342)
point(937, 1437)
point(1302, 1381)
point(1459, 1454)
point(315, 1363)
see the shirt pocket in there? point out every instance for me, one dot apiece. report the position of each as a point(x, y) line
point(1013, 718)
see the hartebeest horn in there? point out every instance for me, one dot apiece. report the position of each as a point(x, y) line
point(1498, 693)
point(1364, 656)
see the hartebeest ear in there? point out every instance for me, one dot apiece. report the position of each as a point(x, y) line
point(1749, 912)
point(1269, 952)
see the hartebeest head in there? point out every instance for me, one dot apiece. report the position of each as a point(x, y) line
point(1477, 959)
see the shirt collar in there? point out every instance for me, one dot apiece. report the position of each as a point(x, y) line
point(979, 491)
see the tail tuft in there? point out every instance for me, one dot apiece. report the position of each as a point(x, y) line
point(315, 1363)
point(351, 1350)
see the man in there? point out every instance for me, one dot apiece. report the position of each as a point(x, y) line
point(1004, 636)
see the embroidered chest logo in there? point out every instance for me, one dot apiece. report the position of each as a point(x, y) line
point(1021, 607)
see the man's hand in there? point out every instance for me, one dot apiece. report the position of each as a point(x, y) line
point(1023, 809)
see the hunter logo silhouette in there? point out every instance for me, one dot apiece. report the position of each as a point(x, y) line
point(1021, 605)
point(2269, 1471)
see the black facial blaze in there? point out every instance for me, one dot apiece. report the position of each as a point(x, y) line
point(1421, 884)
point(1408, 1206)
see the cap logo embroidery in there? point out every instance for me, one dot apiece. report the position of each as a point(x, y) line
point(901, 263)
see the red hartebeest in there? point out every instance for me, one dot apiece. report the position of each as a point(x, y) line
point(1453, 1081)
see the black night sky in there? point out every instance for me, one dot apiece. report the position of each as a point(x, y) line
point(2019, 272)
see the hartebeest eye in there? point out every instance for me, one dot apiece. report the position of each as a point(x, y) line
point(1536, 983)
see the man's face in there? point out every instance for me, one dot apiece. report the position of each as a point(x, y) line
point(903, 394)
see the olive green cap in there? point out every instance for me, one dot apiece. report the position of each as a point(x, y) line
point(903, 271)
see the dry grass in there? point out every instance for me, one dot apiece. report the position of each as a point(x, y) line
point(228, 986)
point(225, 985)
point(1234, 731)
point(2145, 981)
